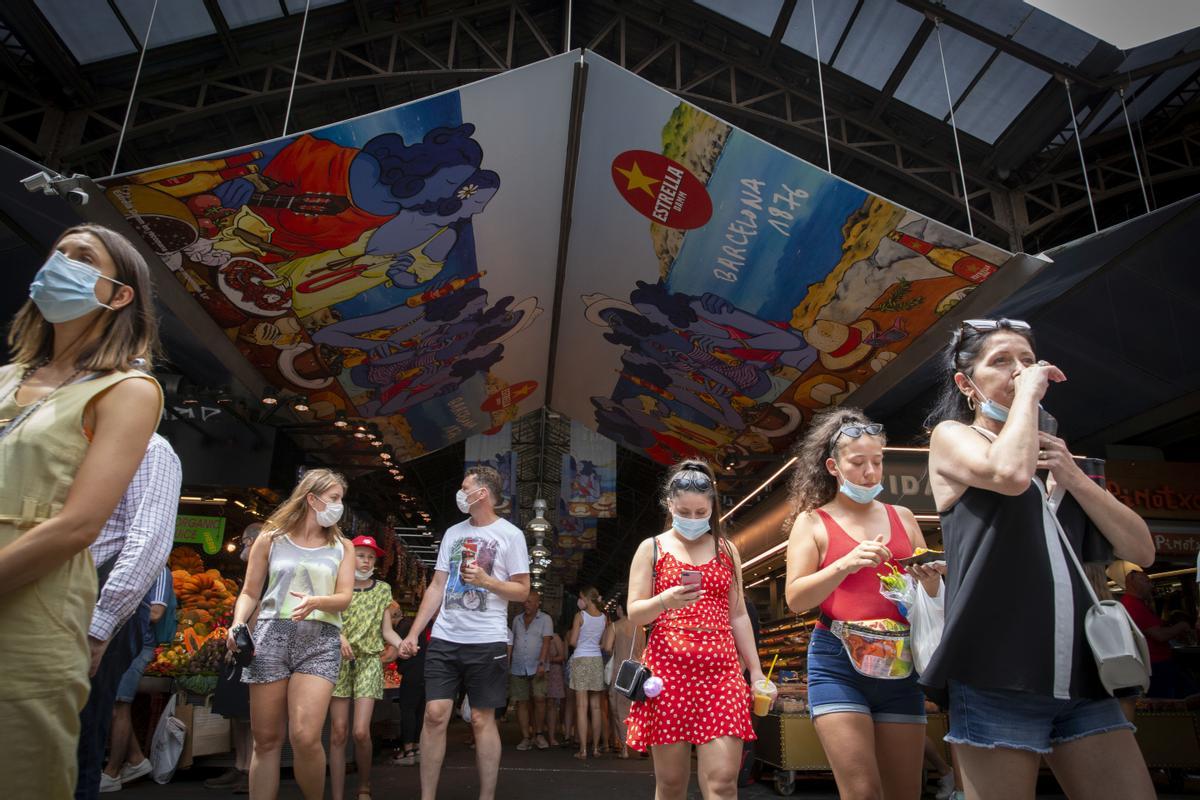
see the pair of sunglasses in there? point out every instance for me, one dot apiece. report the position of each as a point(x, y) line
point(856, 431)
point(987, 326)
point(691, 480)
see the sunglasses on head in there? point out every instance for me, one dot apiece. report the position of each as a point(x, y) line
point(692, 480)
point(856, 431)
point(987, 326)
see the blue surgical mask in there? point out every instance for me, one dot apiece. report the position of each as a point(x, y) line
point(990, 408)
point(65, 289)
point(690, 529)
point(860, 494)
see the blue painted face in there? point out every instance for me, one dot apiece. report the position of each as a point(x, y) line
point(442, 183)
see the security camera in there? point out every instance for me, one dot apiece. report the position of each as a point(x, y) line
point(39, 182)
point(77, 197)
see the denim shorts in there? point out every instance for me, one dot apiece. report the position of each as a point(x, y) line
point(127, 688)
point(992, 718)
point(835, 686)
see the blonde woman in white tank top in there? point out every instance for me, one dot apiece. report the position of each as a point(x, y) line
point(587, 668)
point(308, 569)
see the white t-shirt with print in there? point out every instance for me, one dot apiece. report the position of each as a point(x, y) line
point(471, 615)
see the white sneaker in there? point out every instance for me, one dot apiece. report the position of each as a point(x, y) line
point(525, 745)
point(108, 783)
point(131, 772)
point(945, 787)
point(541, 742)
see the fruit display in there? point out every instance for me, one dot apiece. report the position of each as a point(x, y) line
point(391, 676)
point(205, 606)
point(186, 559)
point(206, 591)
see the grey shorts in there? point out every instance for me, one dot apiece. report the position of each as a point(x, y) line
point(283, 647)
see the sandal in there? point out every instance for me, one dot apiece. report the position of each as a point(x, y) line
point(582, 756)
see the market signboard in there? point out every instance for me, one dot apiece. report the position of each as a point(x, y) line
point(1156, 489)
point(209, 532)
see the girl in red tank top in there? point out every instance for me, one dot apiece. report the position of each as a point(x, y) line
point(687, 583)
point(843, 539)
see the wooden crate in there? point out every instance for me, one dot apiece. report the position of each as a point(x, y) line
point(207, 733)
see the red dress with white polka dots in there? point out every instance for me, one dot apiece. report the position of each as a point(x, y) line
point(704, 695)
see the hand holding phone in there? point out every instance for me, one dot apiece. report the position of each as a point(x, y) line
point(690, 577)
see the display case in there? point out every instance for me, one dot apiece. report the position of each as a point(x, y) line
point(787, 639)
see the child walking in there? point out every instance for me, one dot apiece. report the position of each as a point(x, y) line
point(366, 627)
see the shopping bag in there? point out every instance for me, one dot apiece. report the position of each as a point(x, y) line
point(166, 746)
point(927, 617)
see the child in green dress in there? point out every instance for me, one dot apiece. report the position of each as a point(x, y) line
point(366, 627)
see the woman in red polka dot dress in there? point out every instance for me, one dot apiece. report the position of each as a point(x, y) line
point(699, 632)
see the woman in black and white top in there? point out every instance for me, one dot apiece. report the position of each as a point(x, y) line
point(1021, 680)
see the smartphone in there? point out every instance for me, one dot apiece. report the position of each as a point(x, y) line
point(690, 577)
point(1046, 422)
point(928, 557)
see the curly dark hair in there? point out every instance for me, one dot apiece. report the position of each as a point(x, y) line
point(811, 486)
point(960, 356)
point(675, 306)
point(405, 167)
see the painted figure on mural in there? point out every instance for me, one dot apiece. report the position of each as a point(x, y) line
point(440, 360)
point(376, 183)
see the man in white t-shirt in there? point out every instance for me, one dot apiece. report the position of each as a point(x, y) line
point(482, 566)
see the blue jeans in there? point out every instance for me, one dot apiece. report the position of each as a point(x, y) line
point(834, 685)
point(991, 718)
point(96, 717)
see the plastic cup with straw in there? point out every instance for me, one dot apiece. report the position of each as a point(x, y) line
point(765, 692)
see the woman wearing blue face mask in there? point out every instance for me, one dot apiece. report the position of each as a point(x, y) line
point(76, 415)
point(1029, 688)
point(866, 706)
point(687, 582)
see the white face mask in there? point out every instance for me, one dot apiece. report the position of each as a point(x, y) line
point(464, 505)
point(329, 515)
point(364, 576)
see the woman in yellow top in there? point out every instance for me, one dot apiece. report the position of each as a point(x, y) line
point(76, 415)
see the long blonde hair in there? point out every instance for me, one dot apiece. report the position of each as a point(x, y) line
point(291, 512)
point(128, 336)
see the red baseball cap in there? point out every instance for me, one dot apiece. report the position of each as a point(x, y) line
point(368, 541)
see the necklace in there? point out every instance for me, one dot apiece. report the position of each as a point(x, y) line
point(9, 425)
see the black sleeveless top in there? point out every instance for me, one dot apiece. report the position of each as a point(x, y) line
point(1014, 603)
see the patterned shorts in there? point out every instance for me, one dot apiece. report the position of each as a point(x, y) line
point(283, 647)
point(361, 678)
point(587, 674)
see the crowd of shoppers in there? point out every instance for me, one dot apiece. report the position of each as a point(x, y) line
point(87, 509)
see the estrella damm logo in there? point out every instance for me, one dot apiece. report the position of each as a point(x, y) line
point(661, 189)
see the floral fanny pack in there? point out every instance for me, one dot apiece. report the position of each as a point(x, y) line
point(877, 648)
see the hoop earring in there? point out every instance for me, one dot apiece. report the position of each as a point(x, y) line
point(970, 402)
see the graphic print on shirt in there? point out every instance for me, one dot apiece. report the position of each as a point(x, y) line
point(459, 593)
point(310, 570)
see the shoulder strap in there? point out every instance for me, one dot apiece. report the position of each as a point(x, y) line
point(1050, 518)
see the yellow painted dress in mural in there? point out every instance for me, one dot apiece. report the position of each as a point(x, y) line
point(335, 276)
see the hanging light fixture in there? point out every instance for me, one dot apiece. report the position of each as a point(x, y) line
point(539, 528)
point(340, 420)
point(270, 396)
point(300, 404)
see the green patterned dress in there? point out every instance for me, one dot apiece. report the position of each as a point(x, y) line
point(361, 625)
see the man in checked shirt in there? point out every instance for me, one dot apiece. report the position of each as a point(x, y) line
point(129, 553)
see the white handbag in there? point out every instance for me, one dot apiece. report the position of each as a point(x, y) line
point(1122, 656)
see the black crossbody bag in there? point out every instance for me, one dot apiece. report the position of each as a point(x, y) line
point(632, 676)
